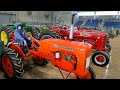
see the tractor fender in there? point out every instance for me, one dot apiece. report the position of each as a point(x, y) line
point(16, 47)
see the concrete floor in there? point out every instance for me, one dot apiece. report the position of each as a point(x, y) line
point(111, 71)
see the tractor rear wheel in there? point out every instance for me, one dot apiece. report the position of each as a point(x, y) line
point(35, 32)
point(109, 47)
point(4, 34)
point(40, 62)
point(92, 72)
point(45, 34)
point(112, 36)
point(100, 58)
point(11, 64)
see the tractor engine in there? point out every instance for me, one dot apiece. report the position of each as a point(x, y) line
point(66, 55)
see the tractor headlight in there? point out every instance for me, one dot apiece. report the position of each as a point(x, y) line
point(57, 54)
point(87, 61)
point(98, 37)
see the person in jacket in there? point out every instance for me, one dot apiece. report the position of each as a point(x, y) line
point(21, 37)
point(117, 32)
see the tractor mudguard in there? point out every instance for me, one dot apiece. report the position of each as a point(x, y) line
point(17, 48)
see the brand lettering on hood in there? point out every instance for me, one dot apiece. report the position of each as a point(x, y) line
point(84, 34)
point(63, 47)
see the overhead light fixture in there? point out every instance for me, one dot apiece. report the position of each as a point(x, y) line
point(106, 13)
point(86, 13)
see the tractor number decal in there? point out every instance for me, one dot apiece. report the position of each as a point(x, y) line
point(84, 34)
point(63, 47)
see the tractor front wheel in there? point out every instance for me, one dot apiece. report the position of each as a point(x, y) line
point(40, 62)
point(11, 64)
point(45, 34)
point(92, 73)
point(35, 32)
point(100, 58)
point(109, 47)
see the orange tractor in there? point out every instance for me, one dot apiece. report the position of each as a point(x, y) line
point(71, 56)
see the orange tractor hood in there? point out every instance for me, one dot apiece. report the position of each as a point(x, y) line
point(63, 45)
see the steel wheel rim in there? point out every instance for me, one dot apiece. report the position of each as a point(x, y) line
point(4, 37)
point(7, 65)
point(100, 59)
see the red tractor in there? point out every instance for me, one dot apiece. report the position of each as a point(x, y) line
point(98, 40)
point(96, 32)
point(71, 56)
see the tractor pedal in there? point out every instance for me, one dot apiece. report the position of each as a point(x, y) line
point(30, 48)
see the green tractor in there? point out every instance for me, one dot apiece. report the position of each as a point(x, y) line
point(1, 50)
point(6, 29)
point(110, 33)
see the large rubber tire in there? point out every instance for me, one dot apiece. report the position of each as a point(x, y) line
point(100, 55)
point(6, 30)
point(48, 33)
point(42, 34)
point(35, 32)
point(12, 64)
point(112, 36)
point(92, 72)
point(109, 47)
point(41, 62)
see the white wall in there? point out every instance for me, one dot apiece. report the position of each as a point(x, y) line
point(23, 16)
point(66, 16)
point(42, 16)
point(37, 16)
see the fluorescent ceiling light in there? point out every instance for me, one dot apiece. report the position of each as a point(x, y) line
point(86, 13)
point(106, 13)
point(99, 13)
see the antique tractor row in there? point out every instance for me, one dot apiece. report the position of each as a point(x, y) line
point(71, 56)
point(98, 40)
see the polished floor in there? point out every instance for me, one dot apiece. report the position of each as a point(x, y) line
point(111, 71)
